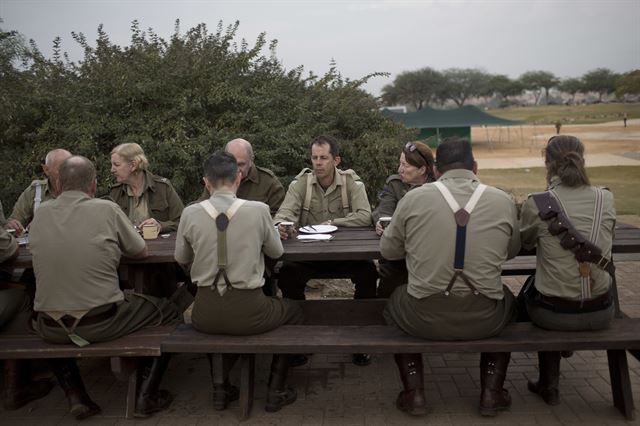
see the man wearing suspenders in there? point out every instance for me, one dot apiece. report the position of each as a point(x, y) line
point(455, 235)
point(222, 242)
point(37, 192)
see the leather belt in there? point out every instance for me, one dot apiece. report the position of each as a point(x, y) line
point(88, 319)
point(565, 306)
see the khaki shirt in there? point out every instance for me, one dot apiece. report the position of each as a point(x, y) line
point(423, 230)
point(3, 221)
point(556, 268)
point(259, 185)
point(326, 205)
point(8, 245)
point(23, 209)
point(164, 203)
point(76, 242)
point(392, 192)
point(250, 234)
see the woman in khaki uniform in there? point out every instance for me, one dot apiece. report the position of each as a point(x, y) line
point(556, 298)
point(414, 170)
point(145, 198)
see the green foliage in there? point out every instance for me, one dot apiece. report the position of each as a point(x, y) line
point(416, 88)
point(601, 81)
point(629, 84)
point(462, 84)
point(181, 99)
point(536, 81)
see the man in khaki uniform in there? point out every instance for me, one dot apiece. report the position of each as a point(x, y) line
point(37, 192)
point(327, 195)
point(454, 290)
point(258, 183)
point(226, 261)
point(76, 242)
point(15, 310)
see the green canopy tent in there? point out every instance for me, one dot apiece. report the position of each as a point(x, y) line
point(437, 124)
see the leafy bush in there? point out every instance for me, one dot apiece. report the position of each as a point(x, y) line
point(181, 99)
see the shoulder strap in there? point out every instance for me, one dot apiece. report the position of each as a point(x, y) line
point(343, 193)
point(38, 197)
point(307, 201)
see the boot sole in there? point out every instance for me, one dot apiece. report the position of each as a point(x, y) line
point(548, 399)
point(493, 412)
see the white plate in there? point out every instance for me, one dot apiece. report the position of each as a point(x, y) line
point(23, 241)
point(318, 229)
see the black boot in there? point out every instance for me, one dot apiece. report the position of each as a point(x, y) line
point(225, 392)
point(68, 375)
point(493, 371)
point(150, 398)
point(279, 394)
point(411, 400)
point(18, 386)
point(547, 385)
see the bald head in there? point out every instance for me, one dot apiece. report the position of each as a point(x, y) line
point(52, 163)
point(77, 173)
point(243, 153)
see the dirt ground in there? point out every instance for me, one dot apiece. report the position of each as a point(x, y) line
point(524, 141)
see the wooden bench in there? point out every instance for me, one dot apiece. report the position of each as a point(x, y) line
point(123, 353)
point(353, 326)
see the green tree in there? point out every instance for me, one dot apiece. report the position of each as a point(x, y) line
point(571, 86)
point(416, 88)
point(628, 84)
point(601, 80)
point(537, 81)
point(462, 84)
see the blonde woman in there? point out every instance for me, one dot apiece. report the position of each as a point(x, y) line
point(144, 197)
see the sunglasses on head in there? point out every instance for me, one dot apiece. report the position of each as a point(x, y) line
point(411, 147)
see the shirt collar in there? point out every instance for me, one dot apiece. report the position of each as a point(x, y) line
point(338, 179)
point(253, 175)
point(224, 193)
point(148, 184)
point(459, 174)
point(555, 181)
point(73, 195)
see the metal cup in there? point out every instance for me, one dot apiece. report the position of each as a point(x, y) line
point(289, 228)
point(385, 221)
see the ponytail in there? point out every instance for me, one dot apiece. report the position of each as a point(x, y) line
point(564, 157)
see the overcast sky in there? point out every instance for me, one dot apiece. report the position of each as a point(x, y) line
point(565, 37)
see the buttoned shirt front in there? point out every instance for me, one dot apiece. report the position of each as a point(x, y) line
point(423, 230)
point(76, 243)
point(326, 204)
point(250, 234)
point(556, 268)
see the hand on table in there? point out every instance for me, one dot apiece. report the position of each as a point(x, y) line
point(379, 228)
point(15, 225)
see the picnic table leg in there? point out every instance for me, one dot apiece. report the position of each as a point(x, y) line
point(620, 382)
point(246, 384)
point(126, 369)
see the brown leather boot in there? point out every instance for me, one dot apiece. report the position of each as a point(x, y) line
point(547, 384)
point(68, 375)
point(279, 394)
point(150, 398)
point(411, 400)
point(223, 391)
point(493, 371)
point(19, 388)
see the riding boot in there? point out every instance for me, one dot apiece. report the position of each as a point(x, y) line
point(493, 371)
point(547, 385)
point(223, 393)
point(279, 394)
point(68, 375)
point(411, 400)
point(150, 398)
point(19, 388)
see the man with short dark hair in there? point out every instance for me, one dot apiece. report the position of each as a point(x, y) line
point(222, 242)
point(326, 195)
point(454, 257)
point(37, 192)
point(76, 242)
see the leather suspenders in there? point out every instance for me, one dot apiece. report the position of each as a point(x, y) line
point(461, 216)
point(222, 222)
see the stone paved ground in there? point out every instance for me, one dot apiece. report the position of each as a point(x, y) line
point(332, 391)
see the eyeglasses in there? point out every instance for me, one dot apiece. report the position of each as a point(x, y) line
point(411, 147)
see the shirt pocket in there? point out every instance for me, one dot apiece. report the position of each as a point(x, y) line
point(159, 208)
